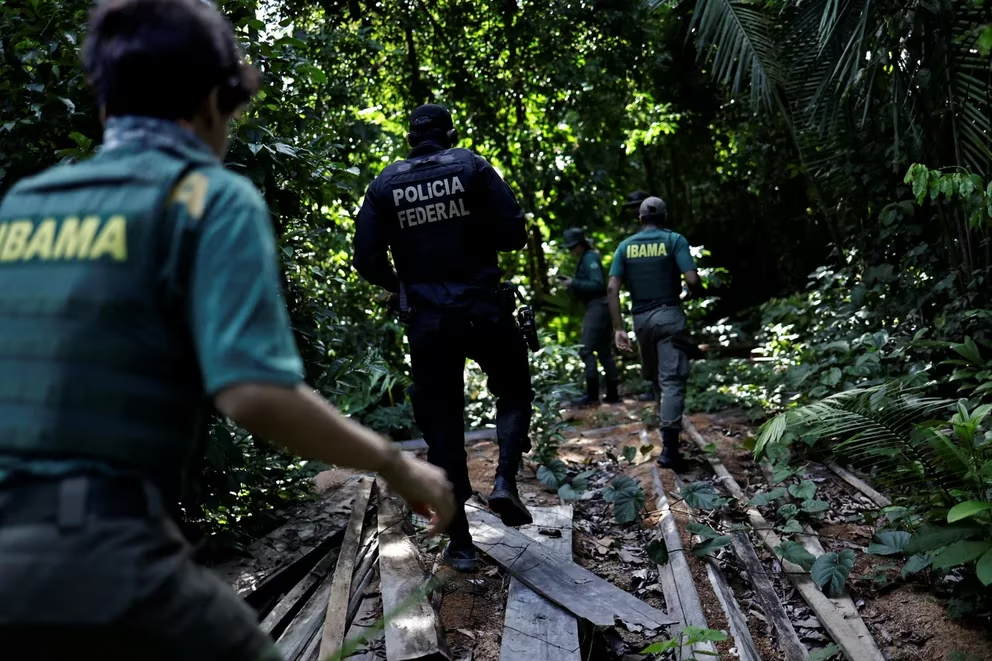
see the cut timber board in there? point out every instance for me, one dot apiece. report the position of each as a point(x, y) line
point(298, 635)
point(335, 618)
point(859, 484)
point(281, 616)
point(736, 619)
point(413, 629)
point(470, 437)
point(534, 628)
point(771, 605)
point(683, 603)
point(839, 617)
point(572, 587)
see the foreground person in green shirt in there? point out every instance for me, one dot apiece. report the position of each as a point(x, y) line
point(652, 264)
point(589, 286)
point(137, 289)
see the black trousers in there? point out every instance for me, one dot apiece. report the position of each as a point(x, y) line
point(440, 342)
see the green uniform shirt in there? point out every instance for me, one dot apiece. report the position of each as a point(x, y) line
point(652, 263)
point(589, 281)
point(235, 314)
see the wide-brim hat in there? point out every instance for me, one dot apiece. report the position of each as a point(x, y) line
point(634, 199)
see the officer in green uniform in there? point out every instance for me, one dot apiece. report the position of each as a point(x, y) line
point(135, 288)
point(631, 208)
point(652, 264)
point(589, 286)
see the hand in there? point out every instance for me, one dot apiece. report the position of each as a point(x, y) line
point(424, 487)
point(621, 340)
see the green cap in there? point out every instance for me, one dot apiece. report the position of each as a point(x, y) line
point(573, 237)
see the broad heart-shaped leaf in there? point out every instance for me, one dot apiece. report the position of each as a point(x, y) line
point(815, 506)
point(787, 511)
point(766, 497)
point(959, 553)
point(915, 564)
point(830, 571)
point(795, 553)
point(627, 497)
point(929, 538)
point(889, 542)
point(804, 491)
point(702, 530)
point(552, 474)
point(658, 551)
point(629, 453)
point(967, 509)
point(984, 569)
point(791, 527)
point(703, 496)
point(706, 547)
point(569, 492)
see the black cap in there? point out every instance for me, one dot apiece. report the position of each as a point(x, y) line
point(430, 117)
point(634, 199)
point(653, 208)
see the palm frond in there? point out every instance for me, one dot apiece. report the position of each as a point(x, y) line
point(741, 43)
point(899, 437)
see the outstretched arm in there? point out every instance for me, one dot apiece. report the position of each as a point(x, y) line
point(613, 299)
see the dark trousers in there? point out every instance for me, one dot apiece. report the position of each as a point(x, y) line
point(91, 568)
point(440, 342)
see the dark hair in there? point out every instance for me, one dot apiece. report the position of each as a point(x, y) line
point(161, 58)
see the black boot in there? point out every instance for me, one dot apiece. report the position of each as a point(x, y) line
point(459, 551)
point(504, 500)
point(649, 396)
point(670, 455)
point(612, 393)
point(591, 398)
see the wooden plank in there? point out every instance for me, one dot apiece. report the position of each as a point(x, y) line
point(725, 595)
point(363, 628)
point(839, 617)
point(414, 629)
point(297, 636)
point(691, 613)
point(572, 587)
point(470, 437)
point(859, 484)
point(771, 605)
point(282, 615)
point(534, 628)
point(336, 614)
point(312, 652)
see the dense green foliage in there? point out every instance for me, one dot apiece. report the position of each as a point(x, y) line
point(833, 160)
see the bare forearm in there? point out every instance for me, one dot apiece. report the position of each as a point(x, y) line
point(306, 424)
point(613, 299)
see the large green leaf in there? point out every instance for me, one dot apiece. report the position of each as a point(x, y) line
point(830, 571)
point(804, 491)
point(706, 547)
point(766, 497)
point(967, 509)
point(889, 542)
point(915, 564)
point(929, 538)
point(959, 553)
point(984, 568)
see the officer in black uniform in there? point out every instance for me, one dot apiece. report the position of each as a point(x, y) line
point(445, 214)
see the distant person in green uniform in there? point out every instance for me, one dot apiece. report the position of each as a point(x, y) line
point(652, 263)
point(631, 208)
point(137, 289)
point(589, 286)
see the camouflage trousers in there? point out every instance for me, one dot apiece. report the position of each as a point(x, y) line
point(664, 361)
point(597, 340)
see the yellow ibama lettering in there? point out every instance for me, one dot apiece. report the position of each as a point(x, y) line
point(74, 239)
point(41, 241)
point(112, 240)
point(17, 239)
point(192, 192)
